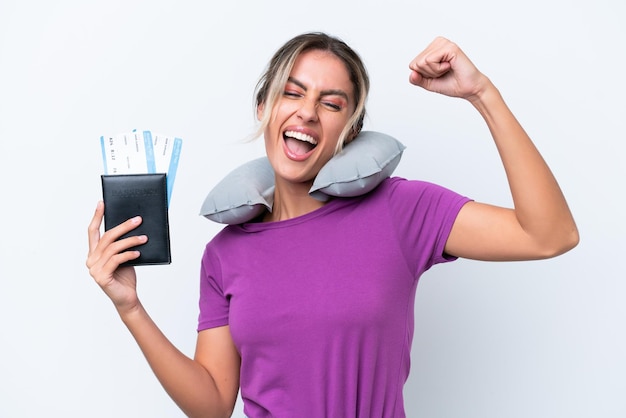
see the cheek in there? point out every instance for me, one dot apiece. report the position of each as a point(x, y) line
point(335, 126)
point(269, 136)
point(280, 113)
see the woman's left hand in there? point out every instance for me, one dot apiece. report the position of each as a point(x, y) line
point(444, 68)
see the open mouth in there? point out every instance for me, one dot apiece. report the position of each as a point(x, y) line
point(299, 143)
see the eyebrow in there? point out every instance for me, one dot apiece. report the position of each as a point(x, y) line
point(330, 92)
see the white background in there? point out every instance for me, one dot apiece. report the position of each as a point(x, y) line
point(536, 339)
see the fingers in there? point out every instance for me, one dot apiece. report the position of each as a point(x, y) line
point(93, 231)
point(111, 235)
point(115, 251)
point(109, 247)
point(104, 264)
point(423, 78)
point(435, 60)
point(432, 67)
point(444, 68)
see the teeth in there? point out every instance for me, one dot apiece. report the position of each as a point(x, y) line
point(301, 137)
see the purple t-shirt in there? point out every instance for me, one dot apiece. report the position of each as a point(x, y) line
point(320, 307)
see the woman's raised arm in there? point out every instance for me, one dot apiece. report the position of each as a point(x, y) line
point(540, 225)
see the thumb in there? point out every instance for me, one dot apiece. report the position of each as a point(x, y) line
point(416, 78)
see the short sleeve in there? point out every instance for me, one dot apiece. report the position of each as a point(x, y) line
point(423, 215)
point(213, 303)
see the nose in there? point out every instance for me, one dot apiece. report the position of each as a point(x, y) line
point(308, 110)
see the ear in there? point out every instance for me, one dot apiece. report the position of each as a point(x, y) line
point(354, 132)
point(259, 111)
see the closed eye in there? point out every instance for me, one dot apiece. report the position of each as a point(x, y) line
point(332, 106)
point(293, 94)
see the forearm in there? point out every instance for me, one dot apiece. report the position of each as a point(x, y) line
point(186, 381)
point(539, 204)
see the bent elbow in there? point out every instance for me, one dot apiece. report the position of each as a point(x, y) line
point(573, 241)
point(573, 238)
point(563, 244)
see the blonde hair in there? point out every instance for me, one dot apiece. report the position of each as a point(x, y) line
point(271, 85)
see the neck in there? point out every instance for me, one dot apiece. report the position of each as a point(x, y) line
point(290, 201)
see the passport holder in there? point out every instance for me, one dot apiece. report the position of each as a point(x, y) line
point(128, 195)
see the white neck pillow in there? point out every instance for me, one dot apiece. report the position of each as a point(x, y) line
point(248, 191)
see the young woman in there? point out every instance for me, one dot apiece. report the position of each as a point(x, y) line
point(309, 308)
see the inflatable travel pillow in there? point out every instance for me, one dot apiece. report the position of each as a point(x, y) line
point(248, 190)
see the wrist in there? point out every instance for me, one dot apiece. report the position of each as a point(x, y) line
point(485, 93)
point(487, 99)
point(129, 313)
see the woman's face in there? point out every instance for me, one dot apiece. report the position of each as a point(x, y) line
point(307, 120)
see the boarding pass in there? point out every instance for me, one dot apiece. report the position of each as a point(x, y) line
point(140, 152)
